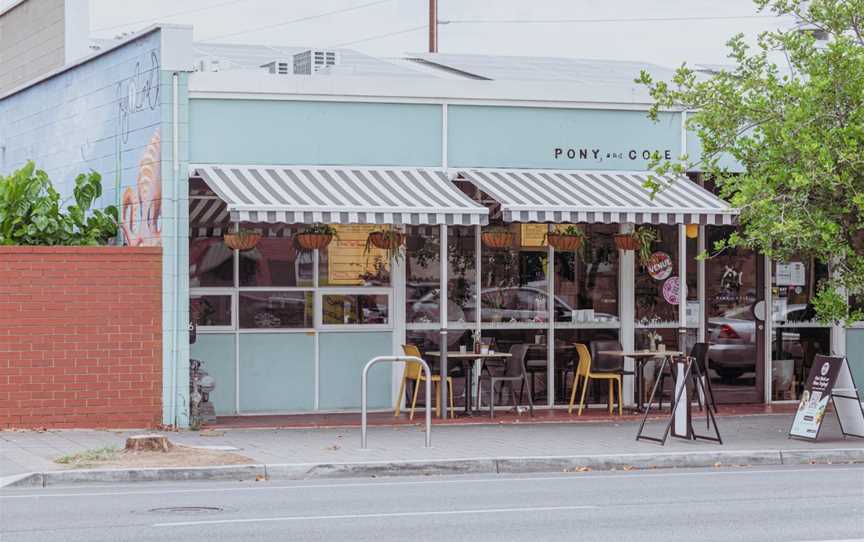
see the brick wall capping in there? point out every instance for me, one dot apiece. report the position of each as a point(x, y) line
point(80, 250)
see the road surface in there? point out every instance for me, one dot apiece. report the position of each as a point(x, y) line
point(785, 504)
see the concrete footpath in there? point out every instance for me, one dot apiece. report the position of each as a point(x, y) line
point(27, 457)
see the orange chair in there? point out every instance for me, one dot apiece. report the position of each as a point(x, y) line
point(584, 370)
point(414, 371)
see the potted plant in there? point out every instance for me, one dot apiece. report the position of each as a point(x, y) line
point(242, 239)
point(388, 240)
point(569, 238)
point(641, 239)
point(497, 237)
point(316, 236)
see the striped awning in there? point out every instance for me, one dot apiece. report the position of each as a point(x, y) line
point(596, 196)
point(340, 195)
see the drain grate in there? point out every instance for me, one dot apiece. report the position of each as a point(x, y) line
point(186, 509)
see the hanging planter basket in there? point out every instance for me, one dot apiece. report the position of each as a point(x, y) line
point(497, 239)
point(389, 241)
point(560, 241)
point(241, 240)
point(625, 241)
point(313, 241)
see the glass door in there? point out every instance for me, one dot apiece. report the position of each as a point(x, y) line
point(734, 284)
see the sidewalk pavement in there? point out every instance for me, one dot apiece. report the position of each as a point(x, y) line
point(299, 453)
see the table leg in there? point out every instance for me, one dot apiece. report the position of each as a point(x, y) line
point(469, 385)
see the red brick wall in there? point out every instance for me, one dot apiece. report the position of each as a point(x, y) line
point(80, 337)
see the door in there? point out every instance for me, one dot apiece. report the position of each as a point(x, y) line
point(734, 284)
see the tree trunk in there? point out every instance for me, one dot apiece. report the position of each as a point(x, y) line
point(148, 443)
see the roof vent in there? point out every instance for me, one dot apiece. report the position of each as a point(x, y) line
point(310, 61)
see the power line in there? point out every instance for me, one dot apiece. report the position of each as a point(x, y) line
point(380, 36)
point(175, 14)
point(612, 20)
point(298, 20)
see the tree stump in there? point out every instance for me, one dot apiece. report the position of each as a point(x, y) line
point(148, 443)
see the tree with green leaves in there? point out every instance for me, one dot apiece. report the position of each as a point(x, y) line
point(31, 213)
point(790, 111)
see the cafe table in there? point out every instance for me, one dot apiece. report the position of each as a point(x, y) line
point(467, 359)
point(640, 358)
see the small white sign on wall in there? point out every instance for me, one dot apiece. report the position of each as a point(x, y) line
point(791, 274)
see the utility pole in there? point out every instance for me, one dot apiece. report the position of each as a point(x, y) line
point(433, 26)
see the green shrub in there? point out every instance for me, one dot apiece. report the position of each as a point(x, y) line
point(31, 213)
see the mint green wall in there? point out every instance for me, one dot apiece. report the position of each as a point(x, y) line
point(694, 151)
point(855, 354)
point(343, 356)
point(314, 133)
point(217, 353)
point(277, 372)
point(526, 137)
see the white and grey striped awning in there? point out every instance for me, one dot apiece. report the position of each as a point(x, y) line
point(340, 195)
point(596, 196)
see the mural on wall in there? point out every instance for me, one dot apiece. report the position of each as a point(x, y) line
point(141, 208)
point(103, 115)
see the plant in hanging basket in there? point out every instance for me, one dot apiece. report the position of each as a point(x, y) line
point(497, 237)
point(316, 237)
point(567, 239)
point(242, 239)
point(642, 239)
point(388, 240)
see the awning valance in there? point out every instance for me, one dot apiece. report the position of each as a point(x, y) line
point(340, 195)
point(596, 196)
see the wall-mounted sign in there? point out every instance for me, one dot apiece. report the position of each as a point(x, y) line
point(598, 155)
point(533, 235)
point(791, 274)
point(671, 290)
point(659, 266)
point(347, 261)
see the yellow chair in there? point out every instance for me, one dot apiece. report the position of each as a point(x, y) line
point(584, 370)
point(414, 371)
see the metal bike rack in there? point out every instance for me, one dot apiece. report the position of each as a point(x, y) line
point(364, 380)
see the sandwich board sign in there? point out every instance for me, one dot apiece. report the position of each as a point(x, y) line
point(830, 380)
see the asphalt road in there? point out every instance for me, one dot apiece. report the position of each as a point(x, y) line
point(783, 504)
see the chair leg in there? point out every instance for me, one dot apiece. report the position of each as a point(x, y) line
point(573, 393)
point(611, 394)
point(435, 400)
point(620, 399)
point(399, 399)
point(585, 384)
point(530, 400)
point(491, 398)
point(414, 400)
point(450, 391)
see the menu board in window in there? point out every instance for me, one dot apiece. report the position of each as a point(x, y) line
point(347, 259)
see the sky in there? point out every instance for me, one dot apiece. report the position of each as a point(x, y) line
point(666, 32)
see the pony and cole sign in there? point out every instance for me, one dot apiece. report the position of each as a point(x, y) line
point(830, 379)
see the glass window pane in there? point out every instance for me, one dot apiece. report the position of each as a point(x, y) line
point(210, 310)
point(586, 281)
point(346, 262)
point(566, 361)
point(211, 263)
point(355, 309)
point(424, 270)
point(274, 310)
point(276, 261)
point(513, 280)
point(656, 302)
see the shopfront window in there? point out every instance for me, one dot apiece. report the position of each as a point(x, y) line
point(210, 310)
point(586, 281)
point(347, 261)
point(657, 290)
point(276, 260)
point(211, 262)
point(423, 275)
point(275, 310)
point(797, 337)
point(346, 309)
point(513, 277)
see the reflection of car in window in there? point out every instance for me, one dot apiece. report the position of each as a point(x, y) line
point(732, 340)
